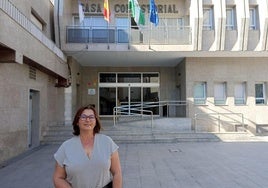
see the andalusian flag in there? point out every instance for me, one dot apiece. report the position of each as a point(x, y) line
point(106, 10)
point(136, 11)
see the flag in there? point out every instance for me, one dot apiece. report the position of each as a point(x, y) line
point(136, 11)
point(153, 13)
point(106, 10)
point(81, 12)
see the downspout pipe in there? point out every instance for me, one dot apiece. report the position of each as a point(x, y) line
point(58, 20)
point(198, 25)
point(221, 27)
point(244, 27)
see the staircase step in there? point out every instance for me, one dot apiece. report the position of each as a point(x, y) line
point(166, 130)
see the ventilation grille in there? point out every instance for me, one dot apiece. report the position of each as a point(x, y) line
point(32, 73)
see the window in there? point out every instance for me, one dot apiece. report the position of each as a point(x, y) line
point(107, 78)
point(150, 78)
point(220, 93)
point(230, 18)
point(180, 23)
point(92, 29)
point(240, 93)
point(200, 93)
point(208, 19)
point(260, 96)
point(127, 88)
point(253, 18)
point(129, 78)
point(122, 25)
point(37, 20)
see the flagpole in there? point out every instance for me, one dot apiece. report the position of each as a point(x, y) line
point(108, 47)
point(150, 12)
point(150, 36)
point(129, 28)
point(106, 13)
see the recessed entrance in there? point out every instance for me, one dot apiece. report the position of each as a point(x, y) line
point(117, 89)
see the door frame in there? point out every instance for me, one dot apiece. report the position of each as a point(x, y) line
point(33, 118)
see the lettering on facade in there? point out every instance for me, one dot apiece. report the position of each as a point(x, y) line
point(123, 8)
point(93, 8)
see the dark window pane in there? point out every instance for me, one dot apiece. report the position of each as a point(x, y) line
point(150, 78)
point(107, 78)
point(107, 101)
point(129, 78)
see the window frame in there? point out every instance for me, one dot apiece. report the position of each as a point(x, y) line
point(37, 20)
point(210, 25)
point(222, 99)
point(200, 100)
point(252, 18)
point(263, 98)
point(231, 25)
point(243, 92)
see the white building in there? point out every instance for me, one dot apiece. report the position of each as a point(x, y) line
point(211, 54)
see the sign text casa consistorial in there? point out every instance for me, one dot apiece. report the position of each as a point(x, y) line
point(123, 8)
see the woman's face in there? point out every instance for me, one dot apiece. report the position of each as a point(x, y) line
point(87, 120)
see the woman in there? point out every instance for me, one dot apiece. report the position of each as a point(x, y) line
point(89, 159)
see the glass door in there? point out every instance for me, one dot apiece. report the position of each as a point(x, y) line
point(107, 100)
point(123, 99)
point(130, 90)
point(151, 96)
point(135, 99)
point(129, 96)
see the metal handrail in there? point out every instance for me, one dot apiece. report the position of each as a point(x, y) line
point(118, 110)
point(140, 108)
point(218, 118)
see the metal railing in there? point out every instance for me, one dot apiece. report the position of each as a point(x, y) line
point(131, 110)
point(169, 35)
point(144, 109)
point(231, 118)
point(13, 12)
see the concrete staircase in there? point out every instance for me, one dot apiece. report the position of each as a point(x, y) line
point(164, 130)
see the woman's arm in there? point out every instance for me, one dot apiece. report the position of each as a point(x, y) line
point(116, 170)
point(59, 177)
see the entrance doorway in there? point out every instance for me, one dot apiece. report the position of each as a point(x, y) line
point(117, 89)
point(129, 96)
point(33, 122)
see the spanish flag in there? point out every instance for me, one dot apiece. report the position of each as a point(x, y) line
point(106, 11)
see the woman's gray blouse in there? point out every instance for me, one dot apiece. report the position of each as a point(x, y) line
point(82, 171)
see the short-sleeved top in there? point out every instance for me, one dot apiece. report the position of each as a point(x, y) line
point(82, 171)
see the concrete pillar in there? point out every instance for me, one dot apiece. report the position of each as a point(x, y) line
point(68, 106)
point(263, 21)
point(242, 8)
point(220, 22)
point(196, 20)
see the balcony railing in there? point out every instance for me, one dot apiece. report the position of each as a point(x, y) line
point(169, 35)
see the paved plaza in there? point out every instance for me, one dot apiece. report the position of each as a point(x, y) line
point(161, 165)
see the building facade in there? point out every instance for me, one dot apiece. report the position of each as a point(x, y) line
point(33, 75)
point(212, 54)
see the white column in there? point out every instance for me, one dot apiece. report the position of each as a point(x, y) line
point(242, 9)
point(220, 22)
point(263, 21)
point(196, 23)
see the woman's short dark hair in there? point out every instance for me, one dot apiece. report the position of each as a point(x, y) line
point(76, 129)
